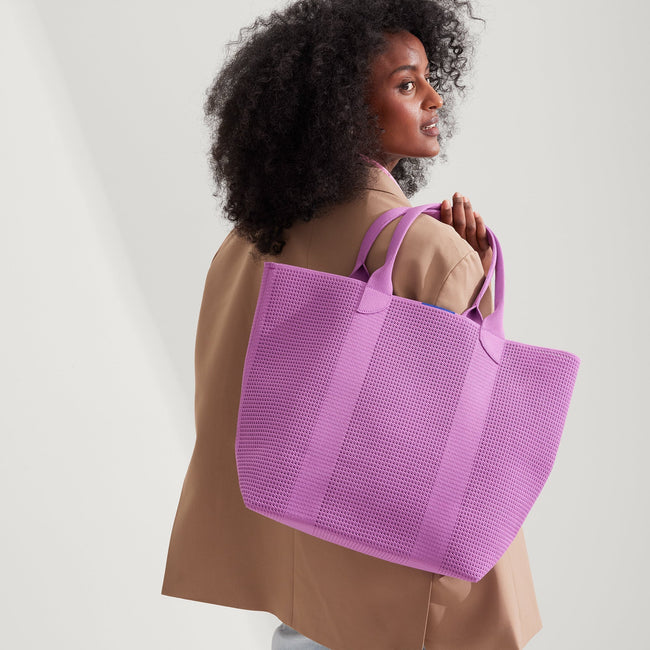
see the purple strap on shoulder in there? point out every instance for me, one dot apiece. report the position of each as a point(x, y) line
point(380, 282)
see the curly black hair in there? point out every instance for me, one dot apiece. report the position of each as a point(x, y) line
point(288, 111)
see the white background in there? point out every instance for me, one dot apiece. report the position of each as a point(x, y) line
point(108, 226)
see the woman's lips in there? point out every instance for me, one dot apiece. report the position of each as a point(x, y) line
point(430, 131)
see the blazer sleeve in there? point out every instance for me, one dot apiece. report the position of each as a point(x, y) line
point(462, 285)
point(436, 265)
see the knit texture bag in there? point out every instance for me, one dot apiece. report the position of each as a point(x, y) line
point(383, 424)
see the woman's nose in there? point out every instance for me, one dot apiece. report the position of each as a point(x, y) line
point(433, 99)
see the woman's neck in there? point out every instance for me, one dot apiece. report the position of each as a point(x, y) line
point(382, 167)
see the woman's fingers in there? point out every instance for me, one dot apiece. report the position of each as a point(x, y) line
point(481, 233)
point(467, 222)
point(484, 249)
point(445, 213)
point(459, 214)
point(470, 224)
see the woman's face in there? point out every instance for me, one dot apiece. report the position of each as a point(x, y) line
point(401, 95)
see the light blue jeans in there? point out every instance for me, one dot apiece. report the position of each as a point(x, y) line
point(286, 638)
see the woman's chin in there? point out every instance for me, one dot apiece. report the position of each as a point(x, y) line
point(430, 148)
point(431, 152)
point(435, 149)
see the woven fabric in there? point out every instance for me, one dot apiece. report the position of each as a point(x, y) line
point(393, 428)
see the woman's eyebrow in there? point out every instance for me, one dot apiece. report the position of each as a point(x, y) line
point(409, 67)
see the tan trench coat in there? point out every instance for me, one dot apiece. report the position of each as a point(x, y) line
point(220, 552)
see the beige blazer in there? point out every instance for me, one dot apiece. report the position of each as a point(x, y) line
point(220, 552)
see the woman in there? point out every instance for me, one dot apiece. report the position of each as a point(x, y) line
point(326, 116)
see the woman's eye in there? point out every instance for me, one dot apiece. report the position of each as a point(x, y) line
point(407, 85)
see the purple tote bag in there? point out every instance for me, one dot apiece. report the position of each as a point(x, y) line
point(389, 426)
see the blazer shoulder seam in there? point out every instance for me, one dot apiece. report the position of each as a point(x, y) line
point(451, 271)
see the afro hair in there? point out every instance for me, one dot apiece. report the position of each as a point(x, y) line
point(288, 114)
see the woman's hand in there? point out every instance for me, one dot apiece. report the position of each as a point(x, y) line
point(469, 225)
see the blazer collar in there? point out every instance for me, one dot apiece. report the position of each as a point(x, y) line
point(382, 180)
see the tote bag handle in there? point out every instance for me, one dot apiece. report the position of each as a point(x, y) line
point(380, 282)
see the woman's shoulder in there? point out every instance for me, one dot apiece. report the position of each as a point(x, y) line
point(434, 263)
point(425, 239)
point(427, 236)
